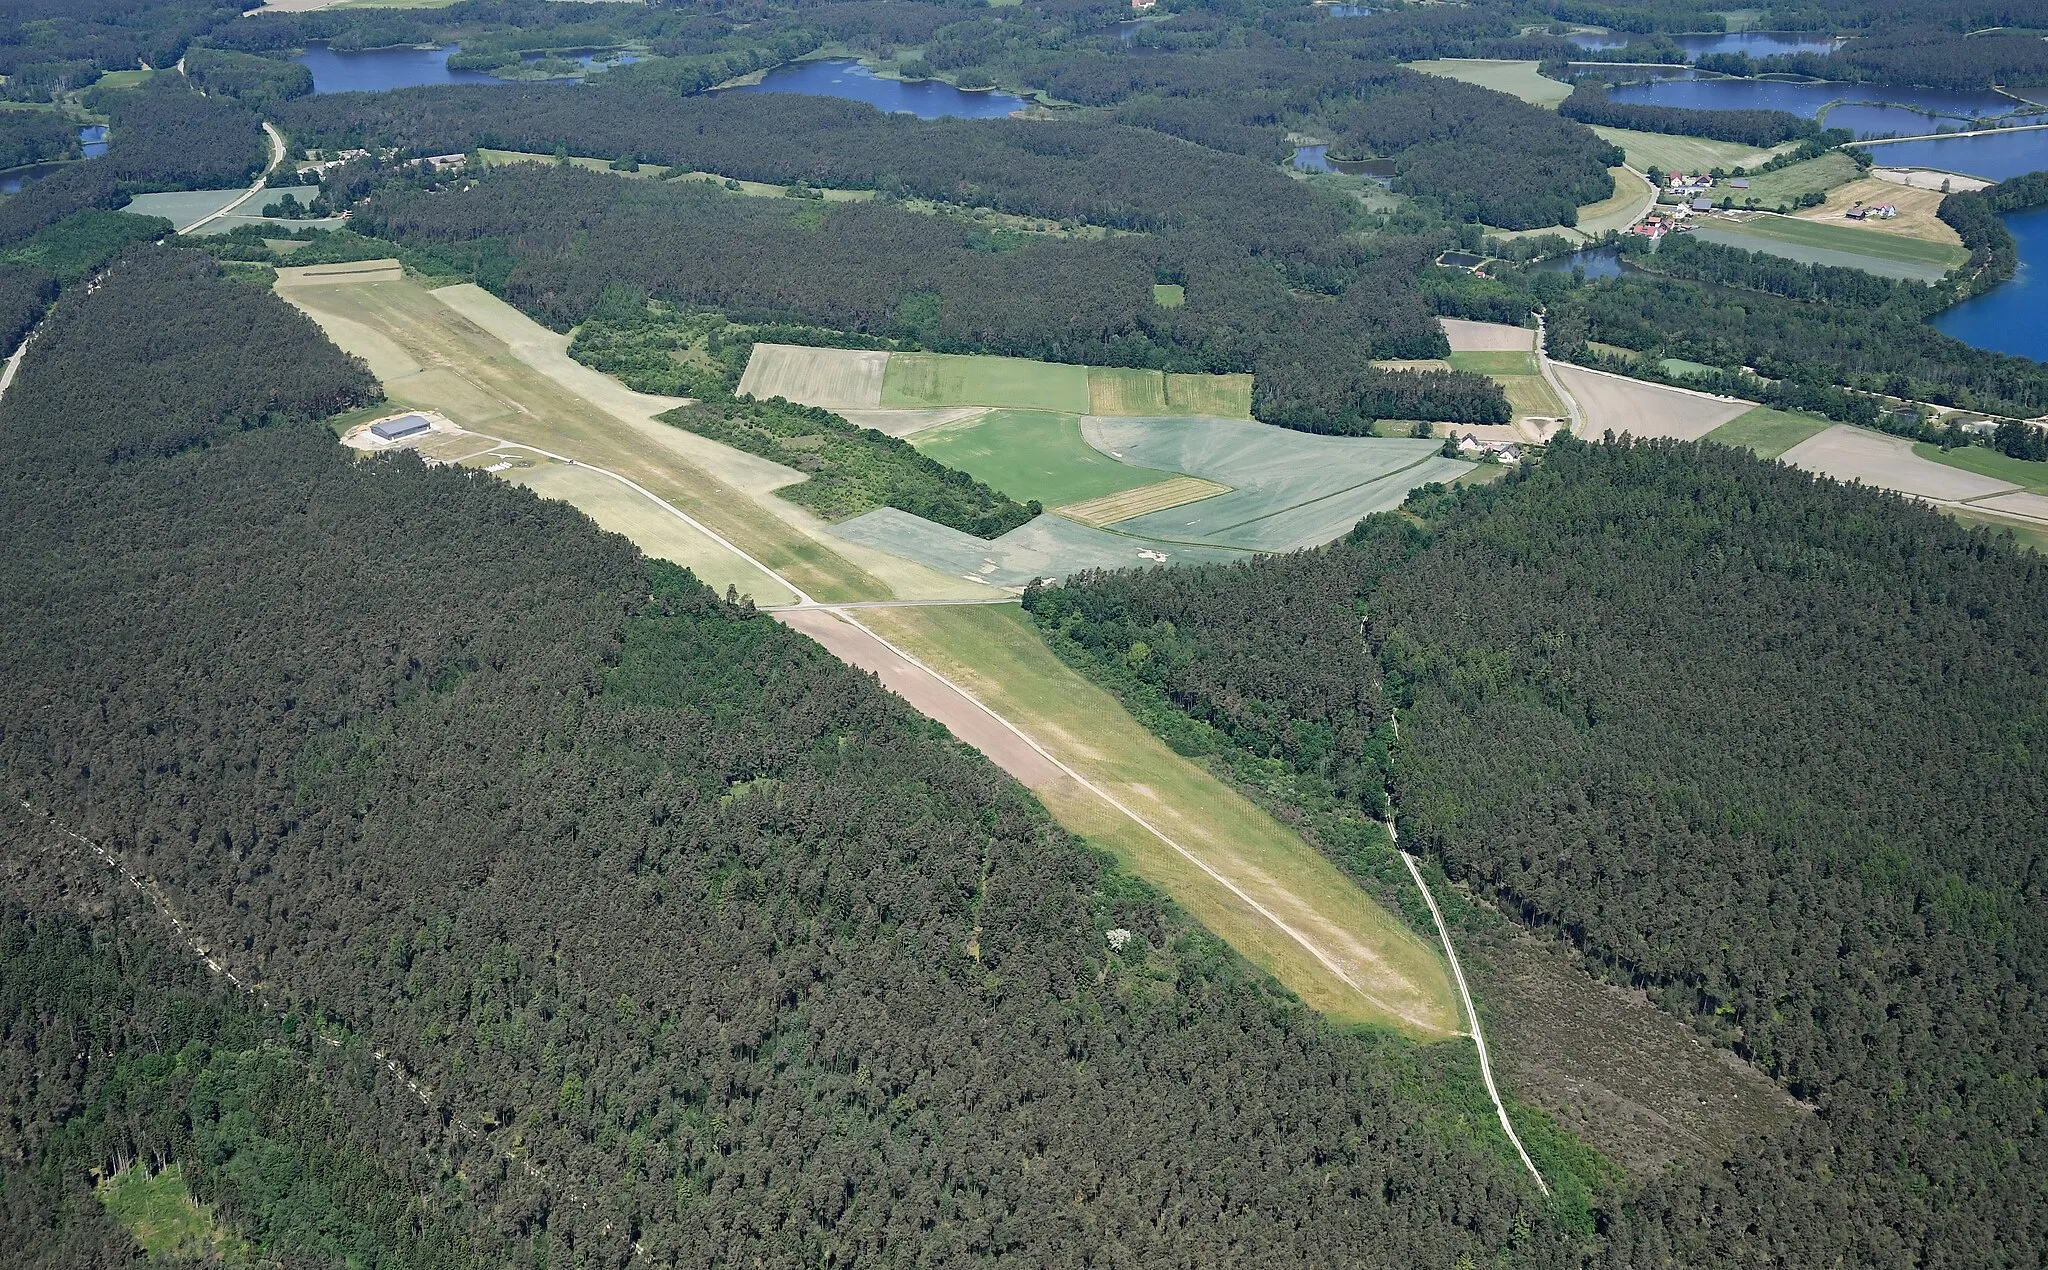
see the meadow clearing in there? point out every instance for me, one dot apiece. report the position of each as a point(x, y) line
point(1646, 150)
point(1529, 393)
point(1118, 390)
point(836, 378)
point(947, 379)
point(1789, 183)
point(1917, 208)
point(1517, 79)
point(1395, 977)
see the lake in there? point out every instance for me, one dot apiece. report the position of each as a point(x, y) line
point(376, 70)
point(927, 99)
point(1992, 155)
point(1317, 159)
point(1754, 43)
point(1867, 110)
point(2013, 317)
point(1598, 262)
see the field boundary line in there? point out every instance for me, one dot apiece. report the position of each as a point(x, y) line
point(1471, 1012)
point(1103, 794)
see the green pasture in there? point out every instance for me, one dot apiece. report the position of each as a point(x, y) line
point(1691, 154)
point(1814, 176)
point(1766, 432)
point(1528, 392)
point(1031, 454)
point(2028, 535)
point(1495, 363)
point(947, 379)
point(123, 79)
point(1685, 369)
point(2031, 477)
point(1516, 79)
point(1169, 295)
point(1820, 243)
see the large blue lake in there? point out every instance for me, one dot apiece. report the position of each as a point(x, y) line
point(1868, 110)
point(2012, 318)
point(927, 99)
point(376, 70)
point(1754, 43)
point(1991, 155)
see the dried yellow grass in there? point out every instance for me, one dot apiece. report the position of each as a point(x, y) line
point(1156, 497)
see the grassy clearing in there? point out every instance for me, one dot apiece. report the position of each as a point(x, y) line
point(995, 654)
point(1031, 454)
point(1495, 363)
point(1529, 393)
point(1169, 295)
point(2031, 477)
point(493, 370)
point(2035, 536)
point(1787, 184)
point(1517, 79)
point(946, 379)
point(1175, 491)
point(1618, 210)
point(163, 1217)
point(1767, 432)
point(1852, 241)
point(1692, 154)
point(1120, 390)
point(123, 79)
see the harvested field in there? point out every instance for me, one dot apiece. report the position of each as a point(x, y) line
point(1852, 454)
point(1487, 337)
point(1628, 1078)
point(1517, 79)
point(1175, 491)
point(350, 271)
point(1768, 433)
point(1916, 218)
point(1117, 390)
point(1354, 960)
point(945, 379)
point(1288, 489)
point(2020, 506)
point(1048, 547)
point(1031, 454)
point(831, 377)
point(1613, 403)
point(2029, 476)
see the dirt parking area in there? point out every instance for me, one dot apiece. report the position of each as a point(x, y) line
point(1487, 337)
point(1611, 403)
point(1852, 454)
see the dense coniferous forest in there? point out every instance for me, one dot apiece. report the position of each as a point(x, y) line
point(572, 238)
point(746, 961)
point(35, 136)
point(1826, 856)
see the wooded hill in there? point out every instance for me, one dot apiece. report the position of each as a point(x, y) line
point(1759, 743)
point(748, 962)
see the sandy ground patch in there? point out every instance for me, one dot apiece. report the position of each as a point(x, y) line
point(832, 377)
point(1612, 403)
point(349, 271)
point(1928, 178)
point(908, 423)
point(1853, 454)
point(1522, 431)
point(1487, 337)
point(1916, 218)
point(2023, 506)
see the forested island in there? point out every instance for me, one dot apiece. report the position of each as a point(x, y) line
point(421, 848)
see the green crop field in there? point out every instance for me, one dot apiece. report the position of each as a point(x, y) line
point(945, 379)
point(1528, 393)
point(1692, 154)
point(1495, 363)
point(1517, 79)
point(2031, 477)
point(1121, 390)
point(1816, 242)
point(1767, 432)
point(1031, 454)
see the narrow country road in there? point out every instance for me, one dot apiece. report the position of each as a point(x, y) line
point(262, 178)
point(1550, 374)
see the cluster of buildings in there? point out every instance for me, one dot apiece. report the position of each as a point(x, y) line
point(1473, 448)
point(1880, 211)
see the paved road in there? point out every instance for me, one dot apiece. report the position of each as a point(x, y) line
point(276, 157)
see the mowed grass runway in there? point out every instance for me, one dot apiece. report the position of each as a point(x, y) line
point(1396, 978)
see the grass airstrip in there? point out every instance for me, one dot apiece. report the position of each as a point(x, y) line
point(507, 399)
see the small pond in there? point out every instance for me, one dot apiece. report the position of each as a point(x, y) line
point(93, 140)
point(1317, 159)
point(1348, 10)
point(1598, 262)
point(14, 179)
point(1991, 155)
point(2013, 317)
point(927, 99)
point(376, 70)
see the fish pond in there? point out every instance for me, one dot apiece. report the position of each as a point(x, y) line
point(927, 99)
point(1867, 110)
point(1992, 155)
point(2012, 317)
